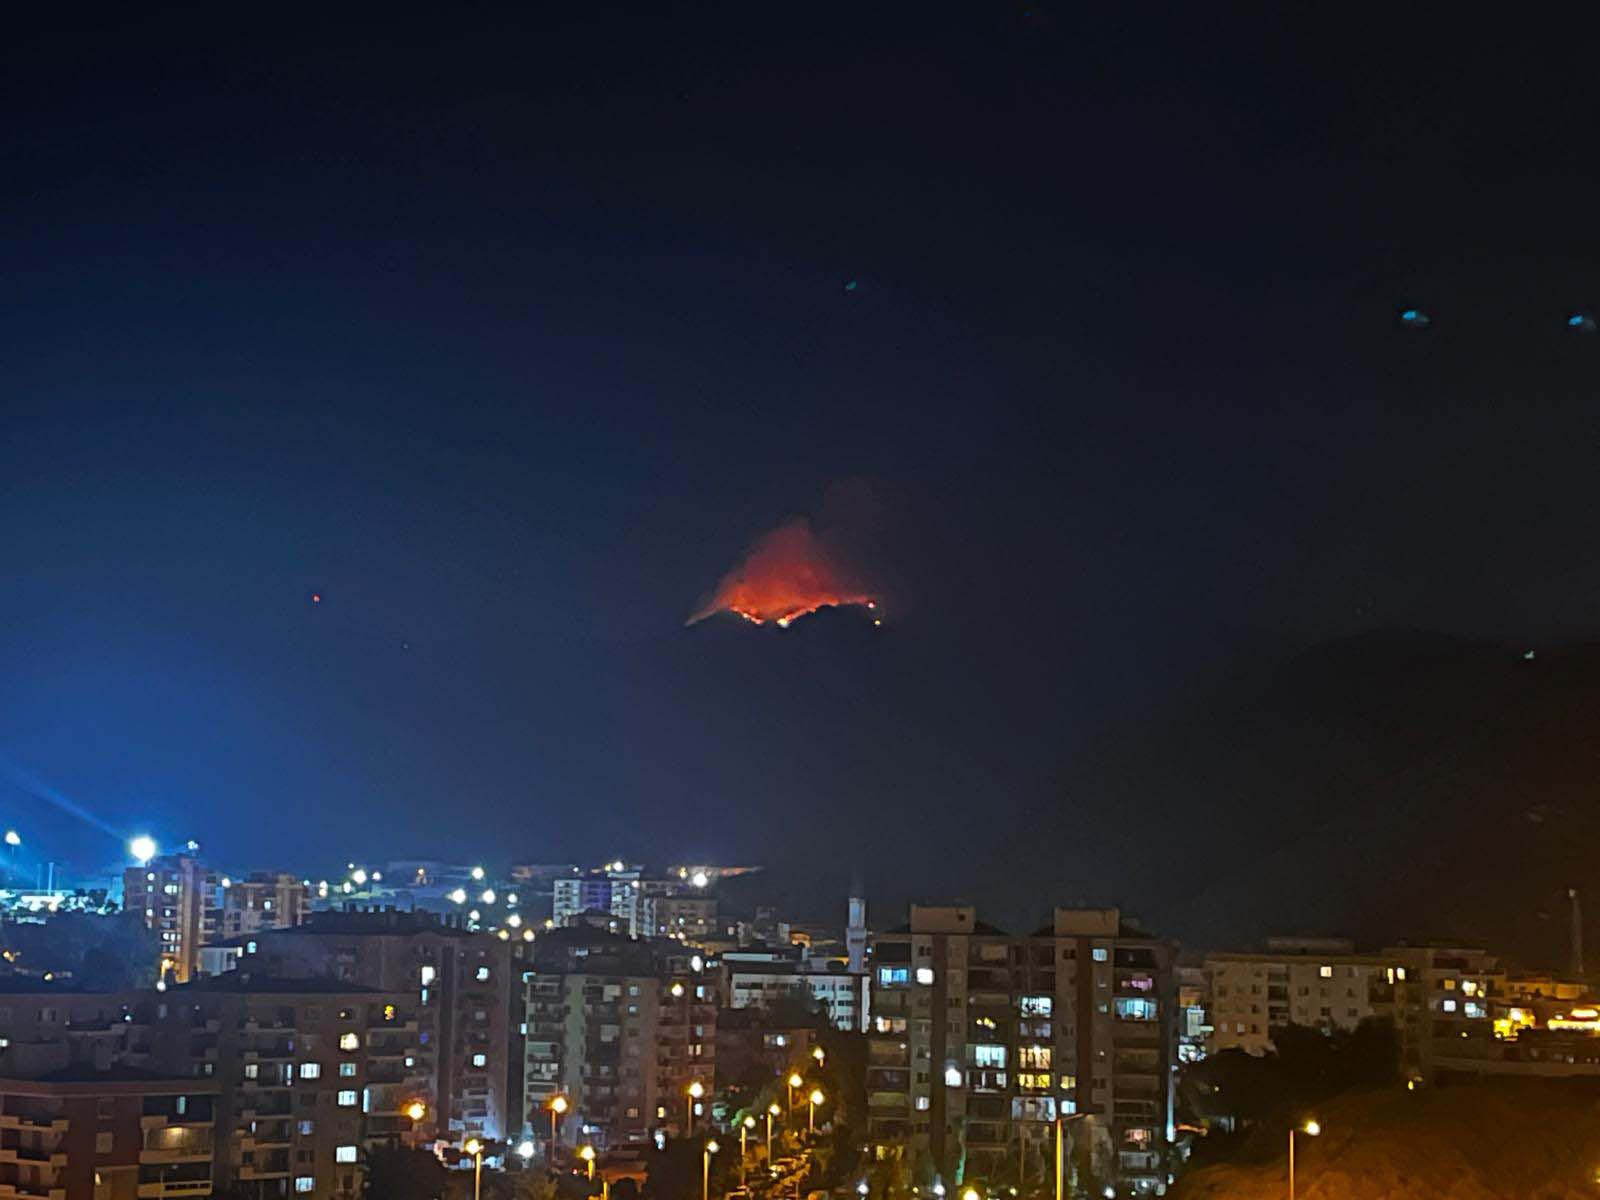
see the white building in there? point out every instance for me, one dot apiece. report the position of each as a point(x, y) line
point(1318, 983)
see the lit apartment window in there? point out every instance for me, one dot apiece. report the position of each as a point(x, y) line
point(483, 974)
point(922, 1104)
point(310, 1070)
point(1325, 972)
point(349, 1041)
point(427, 976)
point(305, 1128)
point(924, 975)
point(251, 1070)
point(305, 1183)
point(347, 1070)
point(345, 1154)
point(347, 1099)
point(480, 1060)
point(1101, 954)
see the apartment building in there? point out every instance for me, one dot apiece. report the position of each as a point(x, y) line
point(981, 1038)
point(309, 1073)
point(691, 919)
point(613, 890)
point(1319, 983)
point(756, 977)
point(618, 1027)
point(298, 1076)
point(263, 901)
point(461, 983)
point(1443, 1008)
point(83, 1134)
point(180, 898)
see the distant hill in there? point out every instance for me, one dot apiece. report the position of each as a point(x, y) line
point(1524, 1139)
point(1396, 784)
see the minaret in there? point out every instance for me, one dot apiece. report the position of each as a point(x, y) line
point(855, 932)
point(1577, 934)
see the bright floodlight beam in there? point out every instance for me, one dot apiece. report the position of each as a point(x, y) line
point(143, 848)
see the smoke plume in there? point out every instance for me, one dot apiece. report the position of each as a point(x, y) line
point(788, 573)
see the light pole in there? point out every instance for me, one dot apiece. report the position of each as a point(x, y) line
point(587, 1154)
point(772, 1111)
point(815, 1098)
point(705, 1170)
point(1310, 1129)
point(745, 1127)
point(558, 1105)
point(475, 1148)
point(694, 1091)
point(793, 1081)
point(819, 1054)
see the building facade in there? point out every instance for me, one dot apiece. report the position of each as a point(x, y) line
point(1320, 984)
point(180, 898)
point(618, 1027)
point(461, 983)
point(81, 1134)
point(263, 901)
point(980, 1039)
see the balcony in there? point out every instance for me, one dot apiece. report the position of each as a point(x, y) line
point(17, 1121)
point(176, 1188)
point(28, 1191)
point(54, 1159)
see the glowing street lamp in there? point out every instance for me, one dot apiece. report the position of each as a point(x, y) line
point(745, 1127)
point(13, 838)
point(475, 1148)
point(815, 1098)
point(525, 1150)
point(970, 1193)
point(694, 1091)
point(143, 848)
point(587, 1154)
point(772, 1111)
point(416, 1110)
point(794, 1081)
point(1310, 1129)
point(705, 1170)
point(558, 1105)
point(819, 1054)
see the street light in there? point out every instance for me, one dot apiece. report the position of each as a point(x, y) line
point(13, 838)
point(694, 1091)
point(143, 848)
point(1310, 1129)
point(815, 1098)
point(525, 1150)
point(819, 1054)
point(862, 1188)
point(772, 1111)
point(558, 1105)
point(745, 1127)
point(416, 1110)
point(793, 1081)
point(475, 1148)
point(970, 1194)
point(587, 1154)
point(705, 1170)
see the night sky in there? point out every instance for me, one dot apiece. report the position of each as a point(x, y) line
point(507, 332)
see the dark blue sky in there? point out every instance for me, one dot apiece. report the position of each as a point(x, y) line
point(507, 332)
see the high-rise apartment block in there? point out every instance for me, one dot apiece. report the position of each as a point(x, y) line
point(263, 901)
point(462, 985)
point(83, 1134)
point(180, 898)
point(618, 1027)
point(981, 1039)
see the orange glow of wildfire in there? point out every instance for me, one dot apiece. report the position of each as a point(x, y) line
point(787, 574)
